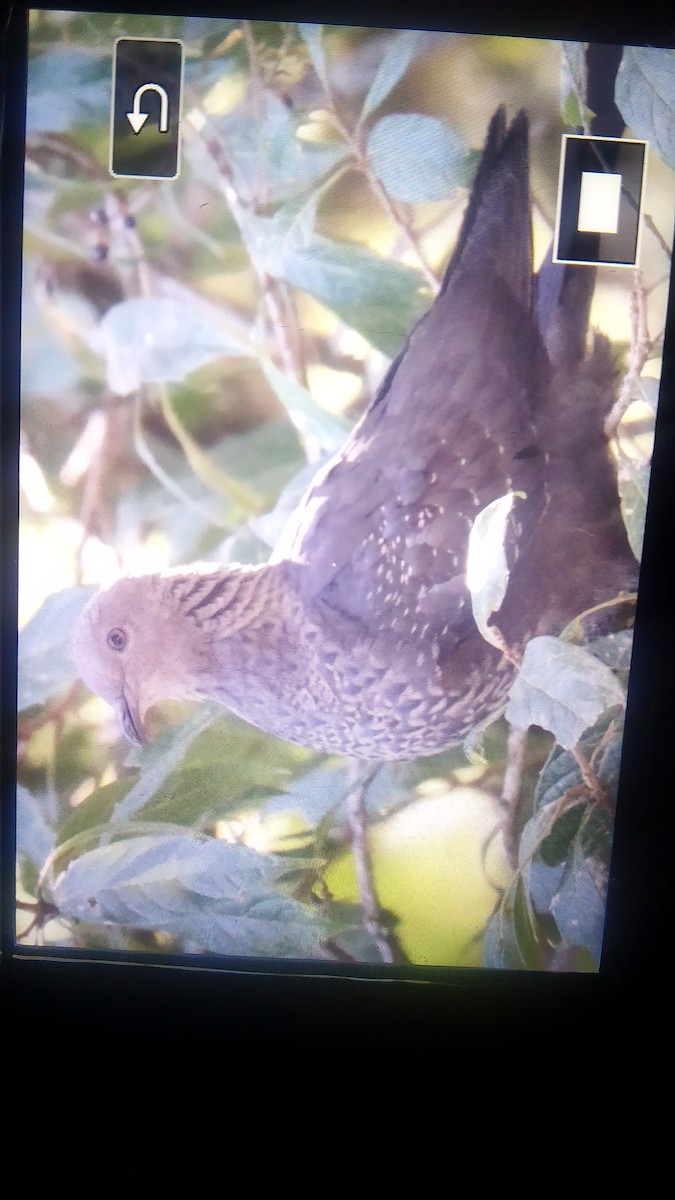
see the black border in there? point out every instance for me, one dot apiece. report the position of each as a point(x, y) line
point(56, 996)
point(572, 245)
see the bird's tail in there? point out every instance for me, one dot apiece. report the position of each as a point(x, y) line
point(496, 232)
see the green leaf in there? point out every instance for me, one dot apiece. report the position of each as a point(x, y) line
point(487, 570)
point(266, 156)
point(294, 222)
point(566, 845)
point(214, 896)
point(45, 665)
point(313, 795)
point(562, 688)
point(380, 299)
point(633, 481)
point(579, 907)
point(400, 53)
point(157, 761)
point(312, 36)
point(271, 525)
point(572, 79)
point(573, 113)
point(265, 457)
point(319, 792)
point(52, 372)
point(67, 88)
point(551, 850)
point(614, 649)
point(195, 29)
point(543, 882)
point(510, 940)
point(417, 157)
point(157, 339)
point(579, 823)
point(310, 420)
point(244, 498)
point(556, 845)
point(34, 835)
point(95, 811)
point(561, 771)
point(645, 96)
point(647, 388)
point(597, 626)
point(213, 774)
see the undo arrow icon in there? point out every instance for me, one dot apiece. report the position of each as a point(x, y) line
point(137, 119)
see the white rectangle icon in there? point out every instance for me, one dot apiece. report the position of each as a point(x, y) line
point(599, 202)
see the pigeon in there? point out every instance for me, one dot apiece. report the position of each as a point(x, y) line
point(359, 636)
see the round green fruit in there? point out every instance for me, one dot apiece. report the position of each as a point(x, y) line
point(438, 866)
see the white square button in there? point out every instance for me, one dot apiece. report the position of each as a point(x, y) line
point(599, 202)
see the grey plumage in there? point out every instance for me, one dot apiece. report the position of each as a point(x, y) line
point(358, 637)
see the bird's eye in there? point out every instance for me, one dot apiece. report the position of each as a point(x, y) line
point(117, 639)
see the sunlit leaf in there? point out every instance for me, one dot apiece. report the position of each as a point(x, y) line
point(633, 480)
point(562, 688)
point(157, 761)
point(417, 157)
point(66, 88)
point(95, 810)
point(271, 525)
point(572, 85)
point(266, 156)
point(241, 496)
point(487, 569)
point(378, 298)
point(216, 770)
point(395, 62)
point(294, 222)
point(157, 339)
point(313, 795)
point(310, 420)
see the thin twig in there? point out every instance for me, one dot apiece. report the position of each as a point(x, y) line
point(216, 148)
point(53, 710)
point(355, 144)
point(42, 910)
point(283, 310)
point(391, 208)
point(651, 226)
point(641, 344)
point(591, 779)
point(359, 779)
point(580, 86)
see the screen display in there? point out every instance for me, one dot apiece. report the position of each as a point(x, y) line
point(341, 354)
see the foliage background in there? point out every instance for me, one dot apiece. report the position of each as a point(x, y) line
point(193, 350)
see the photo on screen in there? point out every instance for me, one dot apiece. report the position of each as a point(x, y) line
point(341, 351)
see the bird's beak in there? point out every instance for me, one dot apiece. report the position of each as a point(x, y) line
point(130, 721)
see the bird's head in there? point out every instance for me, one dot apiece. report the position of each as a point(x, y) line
point(125, 646)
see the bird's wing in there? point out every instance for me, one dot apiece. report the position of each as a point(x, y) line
point(384, 527)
